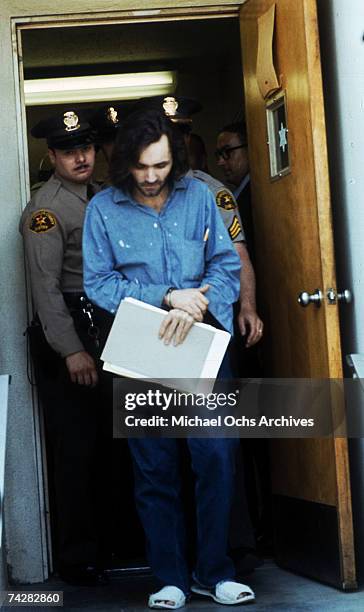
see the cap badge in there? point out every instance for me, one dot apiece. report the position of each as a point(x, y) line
point(170, 106)
point(71, 121)
point(112, 115)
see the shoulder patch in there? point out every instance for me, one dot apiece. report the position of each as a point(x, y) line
point(235, 228)
point(42, 221)
point(225, 200)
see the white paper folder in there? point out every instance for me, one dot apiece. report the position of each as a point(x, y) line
point(133, 349)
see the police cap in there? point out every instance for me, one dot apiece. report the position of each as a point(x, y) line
point(178, 109)
point(106, 122)
point(66, 130)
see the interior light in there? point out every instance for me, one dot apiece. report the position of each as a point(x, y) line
point(99, 88)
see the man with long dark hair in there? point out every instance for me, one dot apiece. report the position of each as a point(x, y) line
point(180, 111)
point(158, 237)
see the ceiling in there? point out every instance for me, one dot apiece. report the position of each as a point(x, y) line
point(80, 50)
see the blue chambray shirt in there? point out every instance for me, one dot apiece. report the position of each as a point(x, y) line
point(131, 250)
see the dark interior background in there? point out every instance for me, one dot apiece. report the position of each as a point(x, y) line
point(205, 53)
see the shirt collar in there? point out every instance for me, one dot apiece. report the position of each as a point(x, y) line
point(78, 189)
point(242, 185)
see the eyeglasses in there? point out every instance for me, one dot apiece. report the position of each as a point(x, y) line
point(225, 152)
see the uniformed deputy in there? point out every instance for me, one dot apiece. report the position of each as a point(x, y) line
point(66, 338)
point(180, 110)
point(232, 156)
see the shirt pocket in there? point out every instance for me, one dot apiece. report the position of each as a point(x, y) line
point(193, 260)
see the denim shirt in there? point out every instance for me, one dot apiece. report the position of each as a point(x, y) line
point(131, 250)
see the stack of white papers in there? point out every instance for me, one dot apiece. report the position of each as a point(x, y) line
point(133, 349)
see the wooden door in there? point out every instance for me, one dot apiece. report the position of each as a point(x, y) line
point(293, 229)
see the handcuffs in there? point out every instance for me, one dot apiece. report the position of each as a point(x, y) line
point(93, 331)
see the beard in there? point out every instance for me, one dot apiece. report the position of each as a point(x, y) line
point(151, 190)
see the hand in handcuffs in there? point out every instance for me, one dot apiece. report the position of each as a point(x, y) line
point(176, 326)
point(192, 301)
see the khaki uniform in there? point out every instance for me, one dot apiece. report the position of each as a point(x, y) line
point(226, 203)
point(78, 419)
point(241, 536)
point(51, 225)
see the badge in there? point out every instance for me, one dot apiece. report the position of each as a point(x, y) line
point(235, 228)
point(170, 106)
point(70, 119)
point(42, 221)
point(225, 200)
point(112, 115)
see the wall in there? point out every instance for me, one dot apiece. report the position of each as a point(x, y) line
point(23, 536)
point(342, 47)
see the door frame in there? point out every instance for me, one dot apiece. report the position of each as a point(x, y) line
point(191, 10)
point(186, 11)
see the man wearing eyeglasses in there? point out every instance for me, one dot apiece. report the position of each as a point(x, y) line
point(232, 156)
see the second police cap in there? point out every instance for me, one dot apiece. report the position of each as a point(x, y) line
point(179, 109)
point(106, 120)
point(67, 129)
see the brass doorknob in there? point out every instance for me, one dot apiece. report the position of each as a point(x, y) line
point(305, 298)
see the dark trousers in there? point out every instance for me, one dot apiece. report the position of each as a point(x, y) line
point(158, 496)
point(253, 498)
point(159, 503)
point(78, 422)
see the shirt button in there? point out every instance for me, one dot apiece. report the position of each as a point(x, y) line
point(155, 225)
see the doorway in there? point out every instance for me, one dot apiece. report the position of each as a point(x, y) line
point(208, 69)
point(304, 343)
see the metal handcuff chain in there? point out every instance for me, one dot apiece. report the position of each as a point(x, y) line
point(93, 331)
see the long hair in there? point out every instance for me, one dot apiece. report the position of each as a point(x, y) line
point(140, 130)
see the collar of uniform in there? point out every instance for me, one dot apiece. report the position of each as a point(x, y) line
point(242, 185)
point(78, 189)
point(196, 174)
point(121, 196)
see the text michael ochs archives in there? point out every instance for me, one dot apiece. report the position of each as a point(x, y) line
point(218, 421)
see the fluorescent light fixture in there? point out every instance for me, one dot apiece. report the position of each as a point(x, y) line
point(99, 88)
